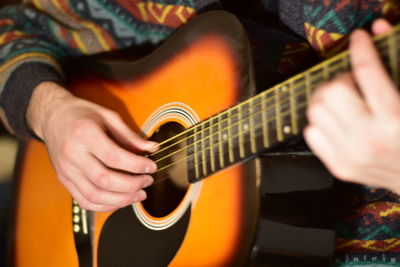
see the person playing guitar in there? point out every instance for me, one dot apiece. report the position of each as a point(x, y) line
point(354, 119)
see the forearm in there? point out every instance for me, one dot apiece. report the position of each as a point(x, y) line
point(17, 90)
point(46, 98)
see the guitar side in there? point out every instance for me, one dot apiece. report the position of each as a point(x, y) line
point(201, 71)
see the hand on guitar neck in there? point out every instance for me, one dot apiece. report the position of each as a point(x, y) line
point(78, 138)
point(354, 120)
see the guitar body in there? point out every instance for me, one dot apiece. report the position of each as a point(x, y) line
point(199, 72)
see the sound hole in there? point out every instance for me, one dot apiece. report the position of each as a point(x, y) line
point(163, 197)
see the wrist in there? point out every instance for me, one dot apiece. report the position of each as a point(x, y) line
point(46, 98)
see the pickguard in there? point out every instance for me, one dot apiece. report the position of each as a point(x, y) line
point(125, 241)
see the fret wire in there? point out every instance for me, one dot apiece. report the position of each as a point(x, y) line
point(221, 150)
point(252, 139)
point(189, 150)
point(264, 122)
point(293, 112)
point(277, 114)
point(203, 156)
point(284, 100)
point(240, 130)
point(230, 145)
point(196, 156)
point(317, 79)
point(212, 150)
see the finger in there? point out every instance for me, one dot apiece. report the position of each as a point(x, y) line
point(82, 201)
point(112, 180)
point(113, 156)
point(98, 196)
point(381, 26)
point(324, 150)
point(319, 116)
point(369, 73)
point(345, 102)
point(341, 98)
point(126, 136)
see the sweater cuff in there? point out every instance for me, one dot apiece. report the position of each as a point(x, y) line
point(18, 91)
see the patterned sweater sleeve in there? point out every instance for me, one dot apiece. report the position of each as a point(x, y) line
point(326, 24)
point(37, 36)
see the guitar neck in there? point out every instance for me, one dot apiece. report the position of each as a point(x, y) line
point(271, 117)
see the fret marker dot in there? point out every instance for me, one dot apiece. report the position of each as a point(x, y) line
point(224, 136)
point(76, 209)
point(287, 129)
point(284, 88)
point(76, 219)
point(245, 127)
point(77, 228)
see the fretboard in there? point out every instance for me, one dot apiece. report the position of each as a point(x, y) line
point(269, 118)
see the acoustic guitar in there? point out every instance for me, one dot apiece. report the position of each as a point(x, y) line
point(195, 96)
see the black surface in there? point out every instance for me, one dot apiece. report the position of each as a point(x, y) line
point(125, 241)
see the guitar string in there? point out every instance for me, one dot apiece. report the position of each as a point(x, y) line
point(178, 161)
point(226, 112)
point(252, 102)
point(383, 42)
point(250, 116)
point(257, 102)
point(201, 124)
point(340, 58)
point(257, 127)
point(212, 146)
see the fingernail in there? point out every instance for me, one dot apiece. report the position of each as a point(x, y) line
point(356, 34)
point(150, 169)
point(151, 146)
point(148, 182)
point(140, 197)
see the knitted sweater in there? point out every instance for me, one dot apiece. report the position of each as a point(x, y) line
point(35, 37)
